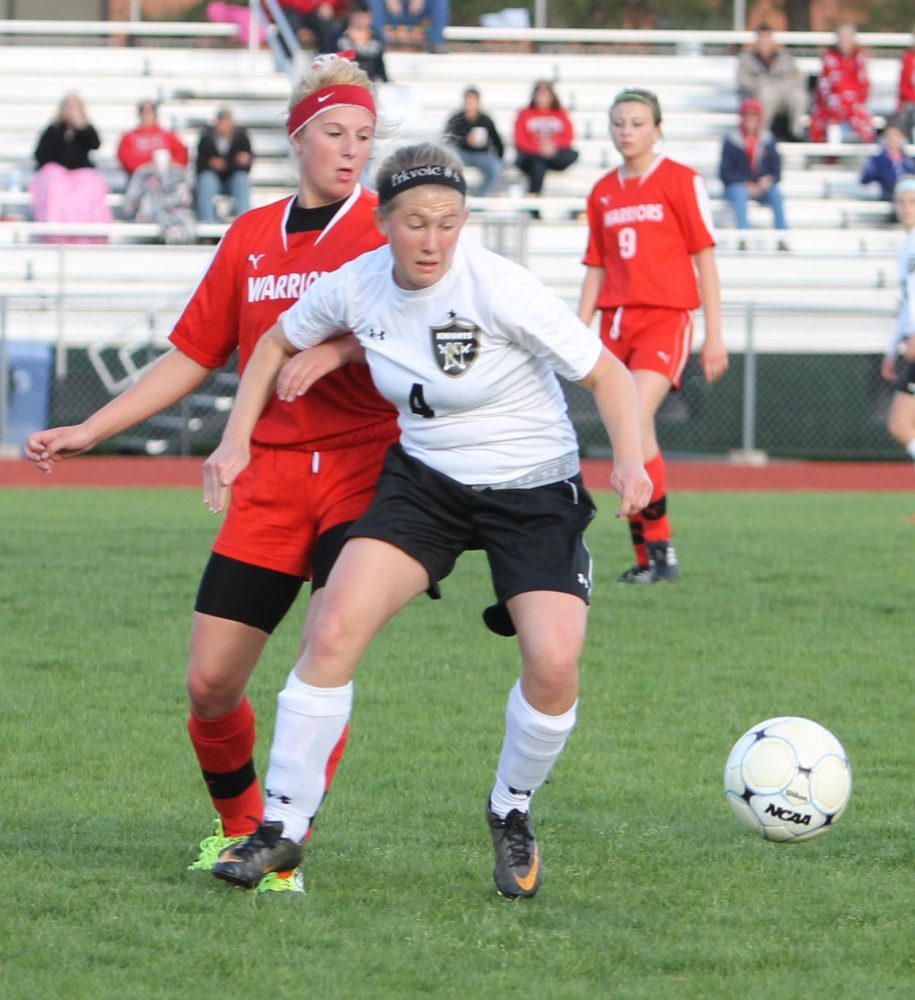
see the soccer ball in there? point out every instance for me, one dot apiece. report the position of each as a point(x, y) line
point(788, 779)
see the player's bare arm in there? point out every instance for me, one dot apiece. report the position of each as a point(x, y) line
point(302, 370)
point(169, 379)
point(713, 357)
point(232, 455)
point(617, 403)
point(590, 290)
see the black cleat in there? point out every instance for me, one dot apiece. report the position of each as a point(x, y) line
point(663, 560)
point(636, 574)
point(662, 566)
point(517, 872)
point(265, 851)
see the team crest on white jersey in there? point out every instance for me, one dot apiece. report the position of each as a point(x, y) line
point(255, 259)
point(455, 345)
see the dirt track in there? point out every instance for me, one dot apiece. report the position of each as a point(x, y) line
point(153, 472)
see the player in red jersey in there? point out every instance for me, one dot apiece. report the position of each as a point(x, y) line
point(650, 239)
point(313, 464)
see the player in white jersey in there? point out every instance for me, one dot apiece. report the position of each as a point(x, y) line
point(901, 420)
point(465, 344)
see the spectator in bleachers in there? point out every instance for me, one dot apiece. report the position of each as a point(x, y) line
point(543, 136)
point(842, 91)
point(411, 16)
point(67, 187)
point(316, 23)
point(223, 162)
point(750, 167)
point(901, 419)
point(890, 164)
point(137, 147)
point(478, 143)
point(768, 72)
point(359, 37)
point(161, 192)
point(905, 112)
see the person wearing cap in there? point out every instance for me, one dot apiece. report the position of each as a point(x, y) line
point(768, 72)
point(224, 160)
point(750, 167)
point(314, 462)
point(465, 343)
point(901, 417)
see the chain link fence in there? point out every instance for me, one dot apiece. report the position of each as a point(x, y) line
point(803, 403)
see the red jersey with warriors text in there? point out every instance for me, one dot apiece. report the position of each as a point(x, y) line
point(643, 231)
point(257, 273)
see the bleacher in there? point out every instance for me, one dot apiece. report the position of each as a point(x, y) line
point(841, 245)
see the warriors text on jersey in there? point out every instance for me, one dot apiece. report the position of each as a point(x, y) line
point(258, 271)
point(643, 232)
point(469, 359)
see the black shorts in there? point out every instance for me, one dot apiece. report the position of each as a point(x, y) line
point(533, 538)
point(906, 381)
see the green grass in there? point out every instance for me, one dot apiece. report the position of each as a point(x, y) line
point(788, 604)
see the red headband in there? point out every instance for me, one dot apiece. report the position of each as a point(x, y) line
point(342, 95)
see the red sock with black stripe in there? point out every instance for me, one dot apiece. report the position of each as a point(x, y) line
point(654, 516)
point(225, 748)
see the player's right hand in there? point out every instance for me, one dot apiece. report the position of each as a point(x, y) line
point(220, 470)
point(44, 448)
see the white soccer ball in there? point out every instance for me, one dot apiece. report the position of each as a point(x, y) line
point(788, 779)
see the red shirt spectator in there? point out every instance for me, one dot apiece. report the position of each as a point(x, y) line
point(842, 89)
point(137, 146)
point(543, 136)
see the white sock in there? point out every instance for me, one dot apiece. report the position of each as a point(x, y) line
point(309, 723)
point(910, 448)
point(533, 742)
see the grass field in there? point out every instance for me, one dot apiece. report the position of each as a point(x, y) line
point(788, 604)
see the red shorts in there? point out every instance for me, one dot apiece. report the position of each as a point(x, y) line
point(646, 337)
point(285, 499)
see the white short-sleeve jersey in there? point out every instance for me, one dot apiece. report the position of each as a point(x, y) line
point(469, 363)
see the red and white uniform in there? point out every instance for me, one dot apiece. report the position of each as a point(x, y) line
point(643, 232)
point(841, 95)
point(281, 502)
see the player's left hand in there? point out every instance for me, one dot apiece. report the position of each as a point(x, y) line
point(633, 485)
point(302, 370)
point(714, 360)
point(220, 470)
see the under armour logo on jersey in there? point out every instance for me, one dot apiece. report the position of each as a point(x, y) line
point(455, 345)
point(376, 334)
point(255, 259)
